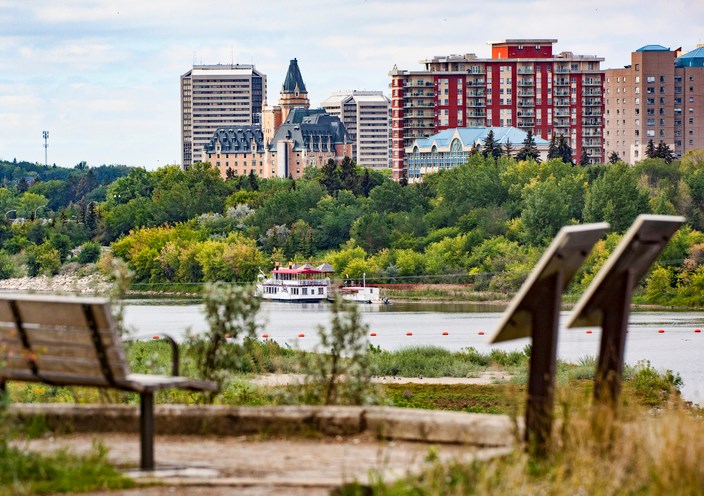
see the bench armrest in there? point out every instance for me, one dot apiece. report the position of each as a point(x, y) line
point(172, 342)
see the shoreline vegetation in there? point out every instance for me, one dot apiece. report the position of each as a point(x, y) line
point(98, 284)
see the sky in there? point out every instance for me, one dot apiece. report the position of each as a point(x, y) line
point(103, 76)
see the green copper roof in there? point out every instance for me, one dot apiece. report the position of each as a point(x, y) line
point(293, 78)
point(695, 58)
point(653, 48)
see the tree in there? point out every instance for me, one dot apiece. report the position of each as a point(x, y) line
point(546, 210)
point(349, 178)
point(613, 157)
point(552, 148)
point(650, 149)
point(616, 197)
point(584, 158)
point(491, 148)
point(331, 177)
point(664, 152)
point(564, 150)
point(508, 148)
point(529, 151)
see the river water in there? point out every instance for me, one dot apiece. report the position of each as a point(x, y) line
point(679, 348)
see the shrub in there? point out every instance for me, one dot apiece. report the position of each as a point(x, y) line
point(90, 253)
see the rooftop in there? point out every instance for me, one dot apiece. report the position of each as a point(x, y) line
point(653, 48)
point(695, 58)
point(293, 79)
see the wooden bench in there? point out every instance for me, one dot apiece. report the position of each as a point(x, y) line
point(72, 341)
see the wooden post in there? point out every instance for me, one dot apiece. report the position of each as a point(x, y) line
point(146, 430)
point(541, 379)
point(607, 382)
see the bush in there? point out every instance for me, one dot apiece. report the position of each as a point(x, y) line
point(90, 253)
point(8, 267)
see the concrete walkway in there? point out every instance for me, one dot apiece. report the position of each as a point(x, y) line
point(272, 450)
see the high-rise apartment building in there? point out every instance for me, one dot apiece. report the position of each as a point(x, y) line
point(215, 96)
point(365, 114)
point(522, 85)
point(659, 97)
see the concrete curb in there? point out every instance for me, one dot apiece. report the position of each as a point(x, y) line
point(428, 426)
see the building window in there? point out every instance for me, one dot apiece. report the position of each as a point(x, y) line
point(637, 67)
point(650, 79)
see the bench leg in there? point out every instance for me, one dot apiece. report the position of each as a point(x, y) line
point(146, 430)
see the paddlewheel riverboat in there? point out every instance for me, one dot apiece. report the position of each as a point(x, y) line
point(297, 283)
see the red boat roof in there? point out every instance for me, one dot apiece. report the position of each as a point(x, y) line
point(302, 270)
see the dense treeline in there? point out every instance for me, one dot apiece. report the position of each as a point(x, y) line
point(484, 223)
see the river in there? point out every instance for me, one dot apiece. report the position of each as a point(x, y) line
point(678, 348)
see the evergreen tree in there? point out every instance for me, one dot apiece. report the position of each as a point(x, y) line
point(491, 148)
point(474, 150)
point(403, 181)
point(508, 148)
point(552, 148)
point(366, 183)
point(349, 177)
point(584, 158)
point(564, 150)
point(650, 149)
point(613, 157)
point(229, 173)
point(529, 151)
point(253, 181)
point(331, 177)
point(664, 152)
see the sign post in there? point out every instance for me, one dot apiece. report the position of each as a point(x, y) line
point(535, 312)
point(607, 300)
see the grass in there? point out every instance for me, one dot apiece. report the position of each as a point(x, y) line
point(636, 453)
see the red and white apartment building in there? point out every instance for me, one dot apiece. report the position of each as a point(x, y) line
point(523, 85)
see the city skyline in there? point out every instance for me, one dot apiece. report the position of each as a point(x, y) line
point(103, 77)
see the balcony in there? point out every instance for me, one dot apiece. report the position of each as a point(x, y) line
point(526, 123)
point(591, 122)
point(587, 102)
point(591, 82)
point(526, 102)
point(476, 113)
point(421, 94)
point(417, 84)
point(592, 142)
point(562, 69)
point(561, 102)
point(476, 82)
point(525, 113)
point(592, 92)
point(475, 102)
point(562, 122)
point(526, 92)
point(561, 82)
point(475, 122)
point(526, 70)
point(477, 92)
point(591, 132)
point(561, 113)
point(592, 112)
point(525, 82)
point(561, 92)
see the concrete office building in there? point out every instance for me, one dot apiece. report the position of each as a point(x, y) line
point(365, 114)
point(217, 96)
point(659, 96)
point(522, 85)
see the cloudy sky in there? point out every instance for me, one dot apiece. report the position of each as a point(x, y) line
point(103, 76)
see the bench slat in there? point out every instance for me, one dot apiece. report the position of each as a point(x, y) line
point(60, 334)
point(57, 313)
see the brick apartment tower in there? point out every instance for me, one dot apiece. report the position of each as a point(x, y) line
point(659, 97)
point(214, 96)
point(522, 85)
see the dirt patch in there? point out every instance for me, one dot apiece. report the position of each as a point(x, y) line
point(484, 378)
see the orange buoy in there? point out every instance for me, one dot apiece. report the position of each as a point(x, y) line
point(697, 330)
point(445, 333)
point(481, 333)
point(409, 333)
point(265, 336)
point(301, 335)
point(373, 334)
point(589, 331)
point(661, 331)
